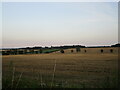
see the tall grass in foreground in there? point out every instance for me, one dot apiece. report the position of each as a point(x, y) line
point(16, 81)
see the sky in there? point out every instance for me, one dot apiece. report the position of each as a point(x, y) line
point(0, 25)
point(60, 0)
point(59, 23)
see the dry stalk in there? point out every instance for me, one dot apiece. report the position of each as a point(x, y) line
point(40, 78)
point(32, 72)
point(38, 75)
point(41, 81)
point(13, 77)
point(19, 79)
point(53, 74)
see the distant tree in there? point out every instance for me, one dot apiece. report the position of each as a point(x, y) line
point(101, 50)
point(5, 53)
point(25, 51)
point(32, 51)
point(15, 51)
point(21, 52)
point(116, 45)
point(8, 52)
point(71, 51)
point(46, 47)
point(62, 51)
point(40, 50)
point(111, 50)
point(51, 47)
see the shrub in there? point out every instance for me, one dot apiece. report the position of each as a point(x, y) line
point(111, 50)
point(101, 50)
point(71, 51)
point(62, 51)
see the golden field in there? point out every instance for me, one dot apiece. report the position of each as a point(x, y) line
point(92, 69)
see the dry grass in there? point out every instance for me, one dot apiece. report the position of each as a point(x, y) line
point(71, 70)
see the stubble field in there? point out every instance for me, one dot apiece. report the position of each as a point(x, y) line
point(91, 69)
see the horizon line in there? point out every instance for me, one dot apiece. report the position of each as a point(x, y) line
point(59, 45)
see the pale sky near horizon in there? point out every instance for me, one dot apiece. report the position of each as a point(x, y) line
point(59, 23)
